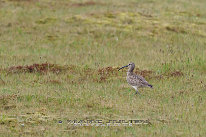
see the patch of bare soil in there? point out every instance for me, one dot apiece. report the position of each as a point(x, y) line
point(40, 68)
point(88, 3)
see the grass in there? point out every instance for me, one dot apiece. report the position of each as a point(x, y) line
point(59, 61)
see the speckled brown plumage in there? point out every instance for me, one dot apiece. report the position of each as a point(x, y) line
point(136, 81)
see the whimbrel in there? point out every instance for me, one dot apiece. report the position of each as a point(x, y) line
point(136, 81)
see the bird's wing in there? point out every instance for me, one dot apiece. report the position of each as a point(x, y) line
point(137, 80)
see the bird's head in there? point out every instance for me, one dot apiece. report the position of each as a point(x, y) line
point(130, 66)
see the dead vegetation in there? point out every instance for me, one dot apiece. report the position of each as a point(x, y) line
point(2, 81)
point(84, 74)
point(23, 0)
point(8, 101)
point(176, 74)
point(87, 3)
point(176, 29)
point(36, 68)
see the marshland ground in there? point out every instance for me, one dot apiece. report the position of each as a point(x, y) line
point(59, 61)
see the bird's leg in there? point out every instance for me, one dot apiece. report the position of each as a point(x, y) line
point(137, 92)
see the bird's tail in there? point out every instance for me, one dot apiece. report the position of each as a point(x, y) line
point(150, 86)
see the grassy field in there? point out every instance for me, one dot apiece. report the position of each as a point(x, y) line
point(59, 61)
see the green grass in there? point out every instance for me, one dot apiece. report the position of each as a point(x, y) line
point(87, 41)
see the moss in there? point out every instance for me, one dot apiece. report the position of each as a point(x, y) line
point(134, 21)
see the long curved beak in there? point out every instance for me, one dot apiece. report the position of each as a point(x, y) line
point(123, 67)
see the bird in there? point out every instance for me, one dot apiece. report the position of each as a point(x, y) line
point(136, 81)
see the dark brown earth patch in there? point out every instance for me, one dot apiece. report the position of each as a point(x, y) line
point(176, 74)
point(148, 74)
point(169, 75)
point(88, 3)
point(23, 0)
point(54, 82)
point(37, 68)
point(105, 73)
point(145, 73)
point(78, 74)
point(108, 72)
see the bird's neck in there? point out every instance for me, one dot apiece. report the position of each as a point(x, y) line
point(129, 73)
